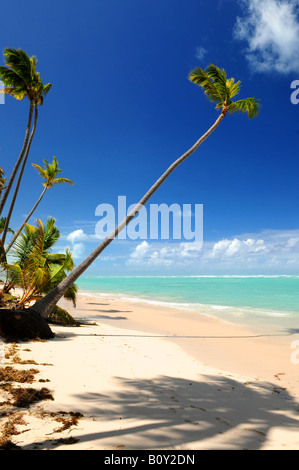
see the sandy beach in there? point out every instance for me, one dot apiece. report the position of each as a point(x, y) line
point(142, 376)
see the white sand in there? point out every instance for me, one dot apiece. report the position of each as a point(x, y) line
point(140, 391)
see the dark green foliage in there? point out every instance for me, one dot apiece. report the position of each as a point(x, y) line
point(59, 316)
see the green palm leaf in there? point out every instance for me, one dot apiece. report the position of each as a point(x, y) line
point(251, 106)
point(51, 234)
point(20, 63)
point(233, 88)
point(201, 78)
point(218, 76)
point(62, 181)
point(40, 170)
point(16, 274)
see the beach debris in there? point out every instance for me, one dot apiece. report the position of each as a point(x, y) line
point(277, 375)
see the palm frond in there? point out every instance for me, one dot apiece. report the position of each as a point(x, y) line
point(19, 61)
point(201, 78)
point(233, 88)
point(23, 245)
point(71, 294)
point(11, 79)
point(47, 88)
point(51, 233)
point(40, 170)
point(41, 277)
point(219, 78)
point(16, 274)
point(34, 259)
point(56, 259)
point(62, 181)
point(251, 106)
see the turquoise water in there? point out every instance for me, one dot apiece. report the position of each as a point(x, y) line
point(247, 300)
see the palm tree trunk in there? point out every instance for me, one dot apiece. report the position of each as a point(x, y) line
point(26, 220)
point(45, 305)
point(20, 177)
point(19, 160)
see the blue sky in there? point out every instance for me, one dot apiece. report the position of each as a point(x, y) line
point(122, 109)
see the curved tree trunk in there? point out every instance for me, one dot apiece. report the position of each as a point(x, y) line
point(45, 305)
point(20, 177)
point(19, 160)
point(25, 221)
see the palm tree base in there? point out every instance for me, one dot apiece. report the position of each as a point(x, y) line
point(23, 325)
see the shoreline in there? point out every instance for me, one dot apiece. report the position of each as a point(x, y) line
point(155, 378)
point(214, 342)
point(247, 317)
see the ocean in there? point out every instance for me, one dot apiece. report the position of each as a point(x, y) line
point(259, 302)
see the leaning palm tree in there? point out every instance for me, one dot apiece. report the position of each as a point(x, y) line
point(2, 180)
point(21, 80)
point(220, 91)
point(49, 174)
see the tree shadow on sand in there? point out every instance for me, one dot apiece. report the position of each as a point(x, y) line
point(179, 413)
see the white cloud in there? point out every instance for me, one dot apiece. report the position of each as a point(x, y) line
point(200, 52)
point(163, 254)
point(76, 235)
point(78, 250)
point(236, 248)
point(271, 29)
point(140, 251)
point(266, 250)
point(76, 239)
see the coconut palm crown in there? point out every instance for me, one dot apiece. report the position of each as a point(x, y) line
point(50, 172)
point(20, 77)
point(220, 90)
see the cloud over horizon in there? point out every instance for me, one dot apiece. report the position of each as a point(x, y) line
point(267, 251)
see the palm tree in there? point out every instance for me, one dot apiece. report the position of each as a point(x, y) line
point(2, 250)
point(2, 180)
point(36, 269)
point(13, 201)
point(220, 91)
point(21, 80)
point(49, 174)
